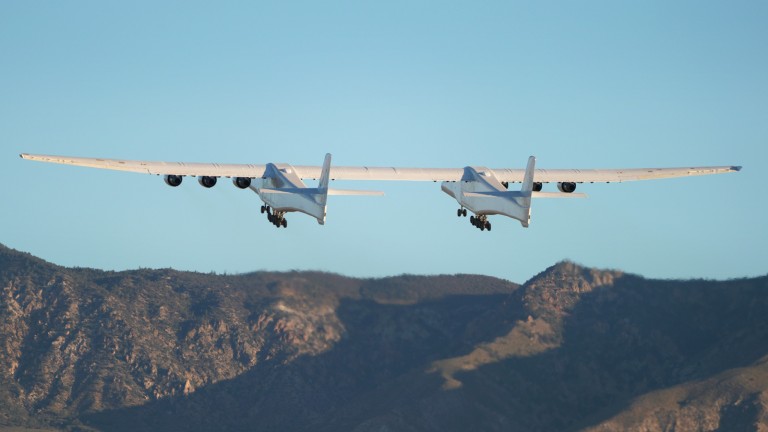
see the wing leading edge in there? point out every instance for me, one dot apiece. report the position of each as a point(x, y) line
point(508, 175)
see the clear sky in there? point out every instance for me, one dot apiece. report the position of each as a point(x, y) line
point(396, 83)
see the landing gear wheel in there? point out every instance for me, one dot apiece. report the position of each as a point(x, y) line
point(488, 225)
point(464, 212)
point(472, 219)
point(263, 209)
point(458, 212)
point(284, 223)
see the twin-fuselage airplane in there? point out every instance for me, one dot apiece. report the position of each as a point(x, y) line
point(480, 190)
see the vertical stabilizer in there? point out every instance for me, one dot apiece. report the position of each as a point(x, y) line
point(527, 191)
point(528, 179)
point(325, 175)
point(322, 187)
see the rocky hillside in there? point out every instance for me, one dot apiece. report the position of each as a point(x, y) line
point(572, 349)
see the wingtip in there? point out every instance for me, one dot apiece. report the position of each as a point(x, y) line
point(736, 168)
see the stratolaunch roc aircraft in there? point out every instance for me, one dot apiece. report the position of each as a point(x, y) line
point(480, 190)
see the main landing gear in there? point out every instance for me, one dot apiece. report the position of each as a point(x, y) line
point(480, 222)
point(277, 218)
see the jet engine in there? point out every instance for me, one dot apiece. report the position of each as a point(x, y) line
point(173, 180)
point(566, 187)
point(206, 181)
point(241, 182)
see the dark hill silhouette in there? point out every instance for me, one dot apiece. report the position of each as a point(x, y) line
point(572, 349)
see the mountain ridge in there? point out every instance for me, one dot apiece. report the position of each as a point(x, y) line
point(573, 348)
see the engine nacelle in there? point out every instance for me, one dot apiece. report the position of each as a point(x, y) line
point(241, 182)
point(537, 186)
point(173, 180)
point(566, 187)
point(206, 181)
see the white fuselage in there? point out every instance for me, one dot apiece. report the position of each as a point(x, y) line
point(482, 193)
point(282, 190)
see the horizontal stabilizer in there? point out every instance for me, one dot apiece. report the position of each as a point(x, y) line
point(282, 191)
point(558, 195)
point(318, 191)
point(509, 194)
point(354, 192)
point(521, 194)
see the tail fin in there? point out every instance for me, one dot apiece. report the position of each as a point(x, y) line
point(325, 174)
point(528, 179)
point(527, 190)
point(322, 187)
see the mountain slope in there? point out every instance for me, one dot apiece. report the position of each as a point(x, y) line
point(572, 349)
point(78, 341)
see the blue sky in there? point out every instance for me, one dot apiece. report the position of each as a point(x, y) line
point(440, 84)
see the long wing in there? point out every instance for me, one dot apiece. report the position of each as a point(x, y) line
point(515, 175)
point(159, 168)
point(383, 173)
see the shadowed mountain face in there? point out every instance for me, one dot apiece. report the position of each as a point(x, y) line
point(572, 349)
